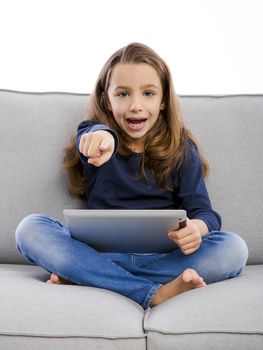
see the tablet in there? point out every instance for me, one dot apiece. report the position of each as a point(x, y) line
point(130, 231)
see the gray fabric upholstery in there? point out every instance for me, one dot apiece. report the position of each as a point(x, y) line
point(35, 309)
point(229, 130)
point(201, 341)
point(34, 130)
point(35, 315)
point(216, 309)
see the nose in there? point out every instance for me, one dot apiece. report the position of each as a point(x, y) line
point(136, 105)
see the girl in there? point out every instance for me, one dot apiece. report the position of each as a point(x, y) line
point(133, 151)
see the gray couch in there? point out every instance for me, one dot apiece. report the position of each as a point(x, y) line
point(34, 128)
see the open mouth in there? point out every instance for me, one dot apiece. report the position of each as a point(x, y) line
point(136, 123)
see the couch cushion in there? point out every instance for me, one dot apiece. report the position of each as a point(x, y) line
point(34, 130)
point(40, 315)
point(218, 316)
point(229, 130)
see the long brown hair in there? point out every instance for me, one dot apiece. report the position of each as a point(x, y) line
point(166, 143)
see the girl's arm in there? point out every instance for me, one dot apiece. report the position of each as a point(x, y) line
point(193, 197)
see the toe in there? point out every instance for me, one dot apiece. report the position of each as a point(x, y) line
point(189, 275)
point(54, 278)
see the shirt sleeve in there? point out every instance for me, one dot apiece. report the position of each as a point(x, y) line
point(87, 126)
point(192, 192)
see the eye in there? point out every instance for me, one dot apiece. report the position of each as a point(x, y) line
point(123, 94)
point(148, 93)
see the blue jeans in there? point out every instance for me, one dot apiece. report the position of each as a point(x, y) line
point(48, 243)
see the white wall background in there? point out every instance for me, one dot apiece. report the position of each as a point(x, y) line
point(211, 46)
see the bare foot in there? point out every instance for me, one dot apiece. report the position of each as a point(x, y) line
point(55, 279)
point(188, 280)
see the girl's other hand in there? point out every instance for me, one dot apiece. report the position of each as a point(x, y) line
point(188, 239)
point(97, 146)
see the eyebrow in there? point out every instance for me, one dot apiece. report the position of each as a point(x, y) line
point(143, 86)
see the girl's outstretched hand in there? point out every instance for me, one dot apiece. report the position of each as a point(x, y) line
point(97, 146)
point(188, 239)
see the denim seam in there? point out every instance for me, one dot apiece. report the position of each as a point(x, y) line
point(150, 295)
point(133, 261)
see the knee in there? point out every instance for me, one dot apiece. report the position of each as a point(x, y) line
point(237, 248)
point(226, 258)
point(235, 252)
point(27, 229)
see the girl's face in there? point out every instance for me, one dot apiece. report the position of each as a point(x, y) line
point(135, 99)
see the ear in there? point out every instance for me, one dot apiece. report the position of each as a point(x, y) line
point(162, 107)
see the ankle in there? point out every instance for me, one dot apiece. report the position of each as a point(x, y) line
point(157, 299)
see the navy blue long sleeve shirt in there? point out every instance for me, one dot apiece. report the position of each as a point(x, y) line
point(115, 184)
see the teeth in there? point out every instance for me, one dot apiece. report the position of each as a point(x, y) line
point(136, 121)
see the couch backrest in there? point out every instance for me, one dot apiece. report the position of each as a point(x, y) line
point(35, 127)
